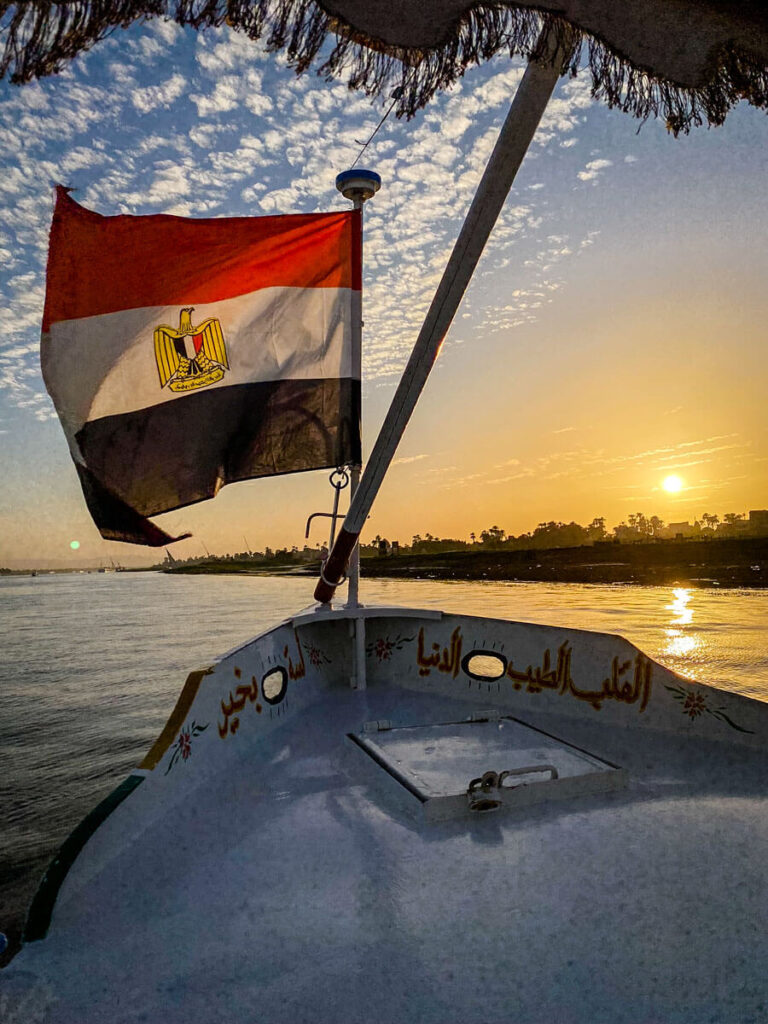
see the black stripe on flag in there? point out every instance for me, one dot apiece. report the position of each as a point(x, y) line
point(180, 452)
point(116, 520)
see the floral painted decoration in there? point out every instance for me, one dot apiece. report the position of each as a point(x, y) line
point(384, 646)
point(182, 748)
point(695, 704)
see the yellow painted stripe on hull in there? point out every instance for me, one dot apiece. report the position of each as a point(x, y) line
point(176, 720)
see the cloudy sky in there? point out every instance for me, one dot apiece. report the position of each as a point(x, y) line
point(615, 332)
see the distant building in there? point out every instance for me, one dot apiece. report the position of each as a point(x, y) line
point(758, 520)
point(681, 530)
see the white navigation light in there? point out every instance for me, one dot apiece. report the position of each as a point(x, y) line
point(358, 184)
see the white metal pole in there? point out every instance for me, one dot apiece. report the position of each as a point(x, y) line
point(353, 591)
point(359, 675)
point(357, 185)
point(527, 108)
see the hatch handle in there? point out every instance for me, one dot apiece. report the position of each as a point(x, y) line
point(484, 793)
point(530, 770)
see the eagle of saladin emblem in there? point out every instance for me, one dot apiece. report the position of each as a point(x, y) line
point(190, 357)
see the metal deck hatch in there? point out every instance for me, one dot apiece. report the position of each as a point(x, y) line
point(461, 769)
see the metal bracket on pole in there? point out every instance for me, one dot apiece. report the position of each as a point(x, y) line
point(339, 479)
point(521, 123)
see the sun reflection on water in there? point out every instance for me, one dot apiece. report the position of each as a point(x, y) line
point(680, 607)
point(681, 642)
point(679, 645)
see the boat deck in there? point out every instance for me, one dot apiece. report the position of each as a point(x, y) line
point(294, 888)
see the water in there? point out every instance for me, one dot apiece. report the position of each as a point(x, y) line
point(91, 665)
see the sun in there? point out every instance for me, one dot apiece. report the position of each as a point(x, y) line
point(672, 484)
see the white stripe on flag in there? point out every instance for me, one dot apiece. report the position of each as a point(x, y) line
point(105, 365)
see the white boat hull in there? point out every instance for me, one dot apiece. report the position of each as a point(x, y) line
point(259, 866)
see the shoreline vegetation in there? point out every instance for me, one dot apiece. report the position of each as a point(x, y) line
point(731, 562)
point(710, 552)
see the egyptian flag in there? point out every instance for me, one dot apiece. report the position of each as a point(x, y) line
point(182, 355)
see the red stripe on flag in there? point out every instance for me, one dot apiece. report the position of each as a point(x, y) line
point(102, 264)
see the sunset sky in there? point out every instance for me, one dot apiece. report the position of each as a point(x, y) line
point(615, 332)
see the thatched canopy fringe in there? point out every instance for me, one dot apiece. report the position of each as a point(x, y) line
point(38, 38)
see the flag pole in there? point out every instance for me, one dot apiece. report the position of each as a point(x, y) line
point(528, 106)
point(358, 186)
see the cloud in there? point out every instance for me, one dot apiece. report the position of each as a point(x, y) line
point(167, 31)
point(406, 459)
point(82, 158)
point(232, 51)
point(593, 169)
point(575, 462)
point(224, 97)
point(232, 91)
point(234, 132)
point(148, 48)
point(153, 96)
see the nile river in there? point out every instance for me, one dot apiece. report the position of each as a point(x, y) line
point(90, 667)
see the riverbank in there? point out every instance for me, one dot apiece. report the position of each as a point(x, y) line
point(714, 563)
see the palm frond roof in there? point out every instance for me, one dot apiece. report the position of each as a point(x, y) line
point(688, 61)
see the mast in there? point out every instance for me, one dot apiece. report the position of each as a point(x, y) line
point(527, 108)
point(357, 185)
